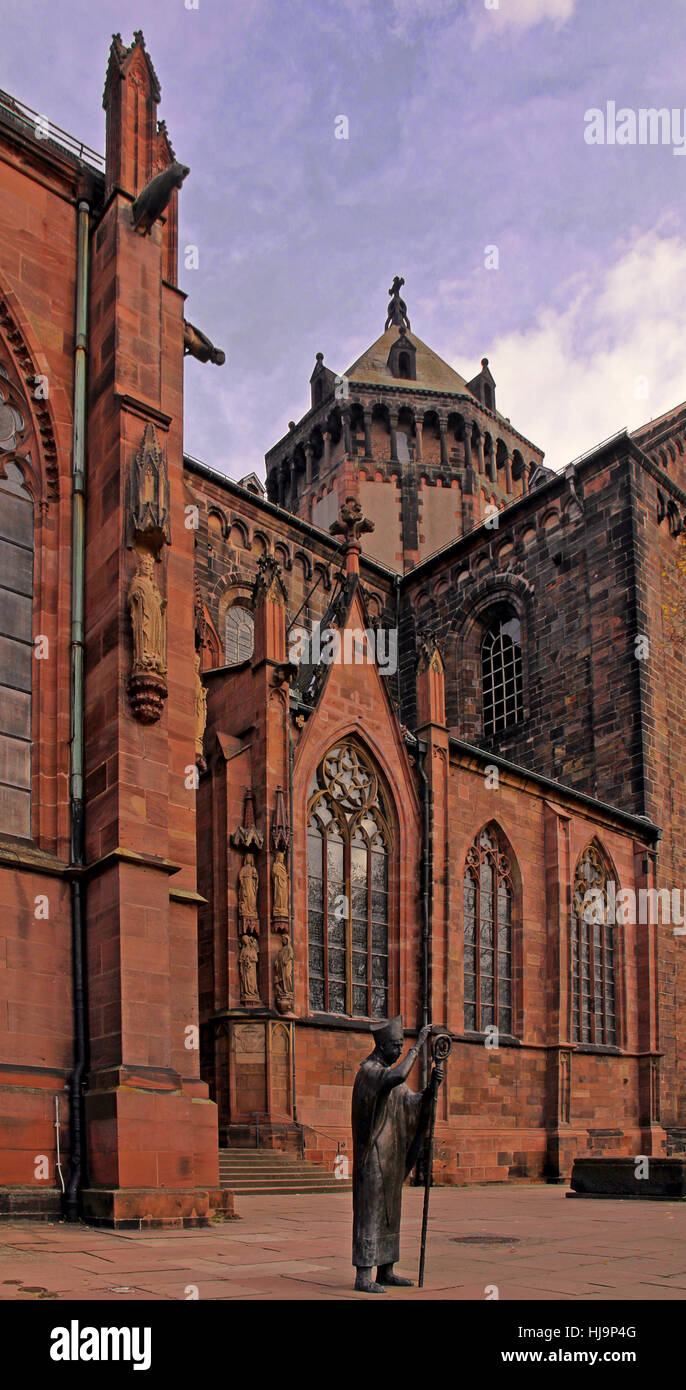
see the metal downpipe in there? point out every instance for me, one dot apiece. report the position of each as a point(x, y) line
point(76, 1079)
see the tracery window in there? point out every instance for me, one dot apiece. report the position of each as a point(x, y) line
point(16, 644)
point(488, 899)
point(348, 846)
point(593, 954)
point(501, 674)
point(239, 635)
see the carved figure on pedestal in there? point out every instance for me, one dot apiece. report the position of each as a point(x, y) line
point(148, 621)
point(248, 957)
point(280, 894)
point(200, 715)
point(147, 610)
point(248, 882)
point(283, 976)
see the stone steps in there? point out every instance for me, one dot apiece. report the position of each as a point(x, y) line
point(264, 1171)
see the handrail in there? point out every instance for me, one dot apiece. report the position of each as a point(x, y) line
point(283, 1125)
point(340, 1143)
point(26, 115)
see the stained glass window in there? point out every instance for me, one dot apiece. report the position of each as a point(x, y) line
point(348, 843)
point(488, 899)
point(501, 674)
point(594, 1018)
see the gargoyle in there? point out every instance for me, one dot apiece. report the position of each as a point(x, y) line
point(153, 199)
point(197, 344)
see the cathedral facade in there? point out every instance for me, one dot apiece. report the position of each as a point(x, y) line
point(399, 731)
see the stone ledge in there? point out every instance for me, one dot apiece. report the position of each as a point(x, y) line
point(144, 1208)
point(616, 1177)
point(38, 1203)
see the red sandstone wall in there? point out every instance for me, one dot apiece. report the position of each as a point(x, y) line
point(37, 279)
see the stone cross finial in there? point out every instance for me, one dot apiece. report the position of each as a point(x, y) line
point(397, 309)
point(268, 583)
point(352, 523)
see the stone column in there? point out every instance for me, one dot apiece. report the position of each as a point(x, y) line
point(468, 446)
point(480, 461)
point(393, 421)
point(308, 465)
point(283, 482)
point(327, 449)
point(367, 416)
point(418, 430)
point(347, 438)
point(443, 432)
point(508, 471)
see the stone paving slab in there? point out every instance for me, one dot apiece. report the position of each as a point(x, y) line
point(530, 1243)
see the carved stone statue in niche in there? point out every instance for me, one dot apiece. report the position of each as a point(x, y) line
point(200, 715)
point(147, 531)
point(147, 609)
point(283, 976)
point(280, 894)
point(248, 957)
point(248, 881)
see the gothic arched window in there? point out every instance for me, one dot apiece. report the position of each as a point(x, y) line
point(594, 1010)
point(239, 635)
point(501, 674)
point(488, 900)
point(16, 645)
point(348, 845)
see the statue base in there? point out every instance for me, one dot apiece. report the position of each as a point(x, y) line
point(147, 692)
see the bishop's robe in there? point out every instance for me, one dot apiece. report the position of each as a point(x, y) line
point(388, 1129)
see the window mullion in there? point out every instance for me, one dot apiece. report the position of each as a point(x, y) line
point(325, 909)
point(369, 933)
point(477, 945)
point(591, 980)
point(603, 990)
point(347, 869)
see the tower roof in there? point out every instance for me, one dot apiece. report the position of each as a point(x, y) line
point(433, 374)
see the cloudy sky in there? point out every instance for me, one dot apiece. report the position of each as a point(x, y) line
point(465, 131)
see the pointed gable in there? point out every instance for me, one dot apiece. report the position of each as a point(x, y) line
point(351, 694)
point(432, 373)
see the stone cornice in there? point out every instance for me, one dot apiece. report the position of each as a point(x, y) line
point(644, 828)
point(372, 392)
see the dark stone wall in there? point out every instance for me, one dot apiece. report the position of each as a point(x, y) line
point(565, 562)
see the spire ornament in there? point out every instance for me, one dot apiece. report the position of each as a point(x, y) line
point(397, 309)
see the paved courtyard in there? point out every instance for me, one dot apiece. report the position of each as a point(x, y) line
point(529, 1242)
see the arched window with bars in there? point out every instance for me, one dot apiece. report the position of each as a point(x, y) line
point(593, 953)
point(16, 640)
point(501, 673)
point(488, 935)
point(348, 847)
point(239, 635)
